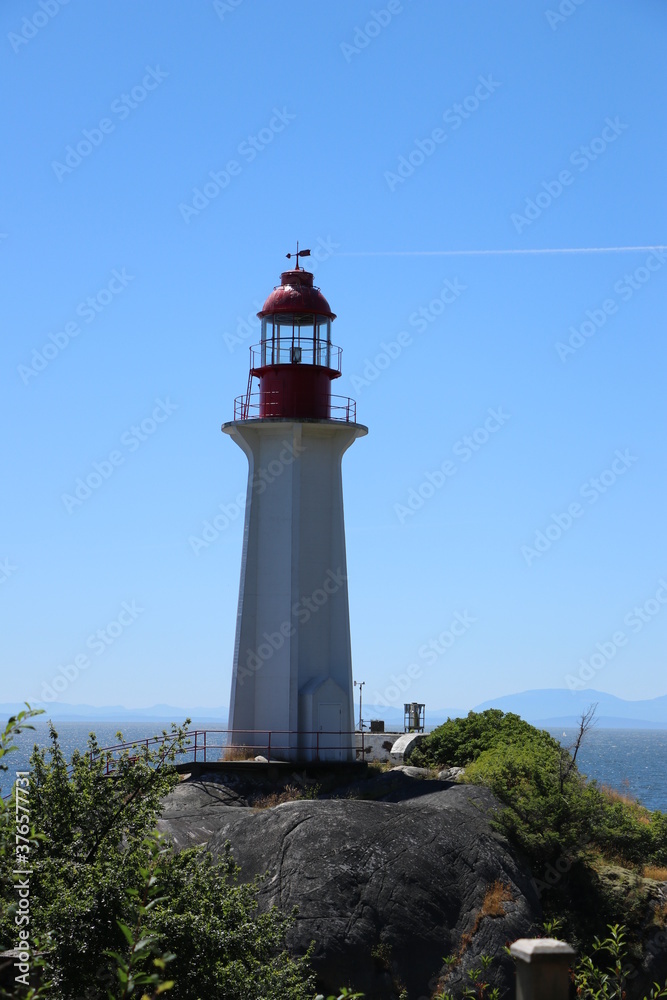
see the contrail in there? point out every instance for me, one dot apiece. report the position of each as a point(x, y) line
point(483, 253)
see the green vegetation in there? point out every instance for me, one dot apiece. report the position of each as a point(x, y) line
point(460, 741)
point(587, 845)
point(603, 975)
point(114, 910)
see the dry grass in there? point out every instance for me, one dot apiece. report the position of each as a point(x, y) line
point(496, 895)
point(613, 795)
point(492, 906)
point(379, 767)
point(638, 812)
point(656, 872)
point(240, 753)
point(289, 794)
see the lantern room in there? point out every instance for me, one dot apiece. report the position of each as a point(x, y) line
point(295, 362)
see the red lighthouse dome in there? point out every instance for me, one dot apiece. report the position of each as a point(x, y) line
point(296, 292)
point(295, 361)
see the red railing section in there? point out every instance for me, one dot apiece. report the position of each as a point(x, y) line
point(247, 407)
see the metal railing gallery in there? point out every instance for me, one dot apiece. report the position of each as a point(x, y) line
point(238, 745)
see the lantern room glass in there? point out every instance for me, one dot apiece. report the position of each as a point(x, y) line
point(292, 338)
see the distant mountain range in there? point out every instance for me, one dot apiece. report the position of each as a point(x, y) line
point(546, 706)
point(560, 707)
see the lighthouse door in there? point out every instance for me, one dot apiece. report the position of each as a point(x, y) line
point(329, 724)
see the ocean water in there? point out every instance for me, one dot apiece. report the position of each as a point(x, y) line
point(632, 761)
point(74, 736)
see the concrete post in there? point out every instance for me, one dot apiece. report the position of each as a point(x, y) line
point(542, 968)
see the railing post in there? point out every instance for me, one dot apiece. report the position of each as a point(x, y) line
point(317, 746)
point(542, 968)
point(204, 746)
point(195, 747)
point(268, 749)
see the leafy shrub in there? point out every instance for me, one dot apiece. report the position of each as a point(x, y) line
point(550, 808)
point(459, 742)
point(112, 904)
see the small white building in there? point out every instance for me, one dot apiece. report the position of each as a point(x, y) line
point(292, 670)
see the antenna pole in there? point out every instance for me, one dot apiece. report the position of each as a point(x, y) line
point(360, 685)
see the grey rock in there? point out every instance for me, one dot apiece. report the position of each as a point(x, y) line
point(413, 772)
point(190, 814)
point(451, 773)
point(409, 876)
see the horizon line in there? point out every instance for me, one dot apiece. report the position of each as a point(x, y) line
point(39, 703)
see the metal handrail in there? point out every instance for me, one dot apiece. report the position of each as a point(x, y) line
point(323, 354)
point(250, 405)
point(206, 746)
point(203, 746)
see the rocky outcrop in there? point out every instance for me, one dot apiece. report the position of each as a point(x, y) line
point(451, 773)
point(387, 882)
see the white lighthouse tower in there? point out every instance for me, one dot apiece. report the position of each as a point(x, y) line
point(292, 672)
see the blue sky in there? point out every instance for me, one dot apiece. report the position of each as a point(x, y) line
point(365, 132)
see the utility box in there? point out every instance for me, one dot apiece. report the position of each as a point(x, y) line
point(377, 725)
point(414, 717)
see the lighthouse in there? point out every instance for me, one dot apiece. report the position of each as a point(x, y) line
point(292, 682)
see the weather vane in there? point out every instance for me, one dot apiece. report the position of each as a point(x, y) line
point(299, 253)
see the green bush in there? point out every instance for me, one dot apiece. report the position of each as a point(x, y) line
point(111, 905)
point(540, 819)
point(460, 741)
point(550, 809)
